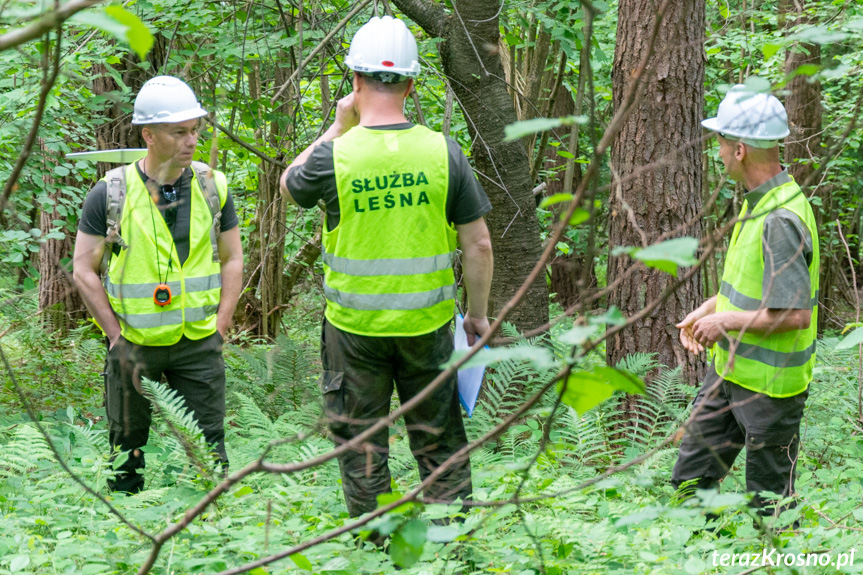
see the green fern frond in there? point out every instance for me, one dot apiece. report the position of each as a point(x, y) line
point(183, 428)
point(251, 417)
point(26, 452)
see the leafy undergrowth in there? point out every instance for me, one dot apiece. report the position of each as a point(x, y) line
point(627, 523)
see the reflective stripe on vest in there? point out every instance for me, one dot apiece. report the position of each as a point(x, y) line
point(776, 364)
point(134, 273)
point(390, 301)
point(212, 281)
point(393, 267)
point(747, 303)
point(388, 263)
point(169, 318)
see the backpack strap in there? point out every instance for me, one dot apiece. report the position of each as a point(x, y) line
point(207, 183)
point(114, 200)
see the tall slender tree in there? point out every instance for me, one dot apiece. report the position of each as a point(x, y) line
point(656, 169)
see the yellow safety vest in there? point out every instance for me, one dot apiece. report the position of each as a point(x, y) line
point(388, 263)
point(776, 364)
point(133, 274)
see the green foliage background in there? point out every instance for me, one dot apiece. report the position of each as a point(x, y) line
point(629, 523)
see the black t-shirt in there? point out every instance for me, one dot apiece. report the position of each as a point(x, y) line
point(94, 213)
point(316, 180)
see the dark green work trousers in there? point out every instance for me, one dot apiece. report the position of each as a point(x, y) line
point(357, 385)
point(195, 368)
point(731, 418)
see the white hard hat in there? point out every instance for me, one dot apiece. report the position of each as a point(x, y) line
point(385, 49)
point(754, 118)
point(166, 100)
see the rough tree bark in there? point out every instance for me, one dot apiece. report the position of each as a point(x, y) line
point(471, 60)
point(265, 261)
point(663, 127)
point(802, 147)
point(567, 270)
point(60, 303)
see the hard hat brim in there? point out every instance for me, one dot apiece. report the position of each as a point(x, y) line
point(711, 124)
point(173, 118)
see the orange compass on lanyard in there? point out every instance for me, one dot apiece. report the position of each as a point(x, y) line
point(162, 295)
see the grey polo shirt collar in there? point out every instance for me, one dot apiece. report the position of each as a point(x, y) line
point(755, 195)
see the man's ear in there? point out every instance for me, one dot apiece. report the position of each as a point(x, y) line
point(410, 86)
point(357, 82)
point(739, 151)
point(147, 134)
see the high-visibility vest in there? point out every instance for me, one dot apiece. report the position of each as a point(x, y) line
point(134, 272)
point(776, 364)
point(388, 263)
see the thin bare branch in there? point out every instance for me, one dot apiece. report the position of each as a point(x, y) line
point(47, 21)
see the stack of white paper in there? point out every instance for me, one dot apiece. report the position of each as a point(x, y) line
point(469, 379)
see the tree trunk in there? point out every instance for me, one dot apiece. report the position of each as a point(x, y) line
point(566, 269)
point(803, 145)
point(664, 125)
point(60, 303)
point(265, 261)
point(471, 60)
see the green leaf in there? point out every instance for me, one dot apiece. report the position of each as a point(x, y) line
point(301, 562)
point(406, 545)
point(512, 39)
point(664, 256)
point(122, 458)
point(555, 199)
point(819, 35)
point(565, 154)
point(121, 24)
point(586, 389)
point(770, 49)
point(695, 566)
point(612, 316)
point(137, 34)
point(621, 379)
point(520, 129)
point(393, 496)
point(758, 84)
point(578, 335)
point(806, 70)
point(442, 533)
point(852, 339)
point(19, 562)
point(579, 216)
point(563, 247)
point(242, 492)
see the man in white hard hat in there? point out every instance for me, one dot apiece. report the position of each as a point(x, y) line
point(762, 323)
point(399, 198)
point(164, 235)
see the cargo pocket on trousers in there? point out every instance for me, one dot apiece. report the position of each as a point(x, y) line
point(334, 402)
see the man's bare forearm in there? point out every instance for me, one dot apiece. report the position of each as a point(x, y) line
point(766, 321)
point(478, 270)
point(232, 286)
